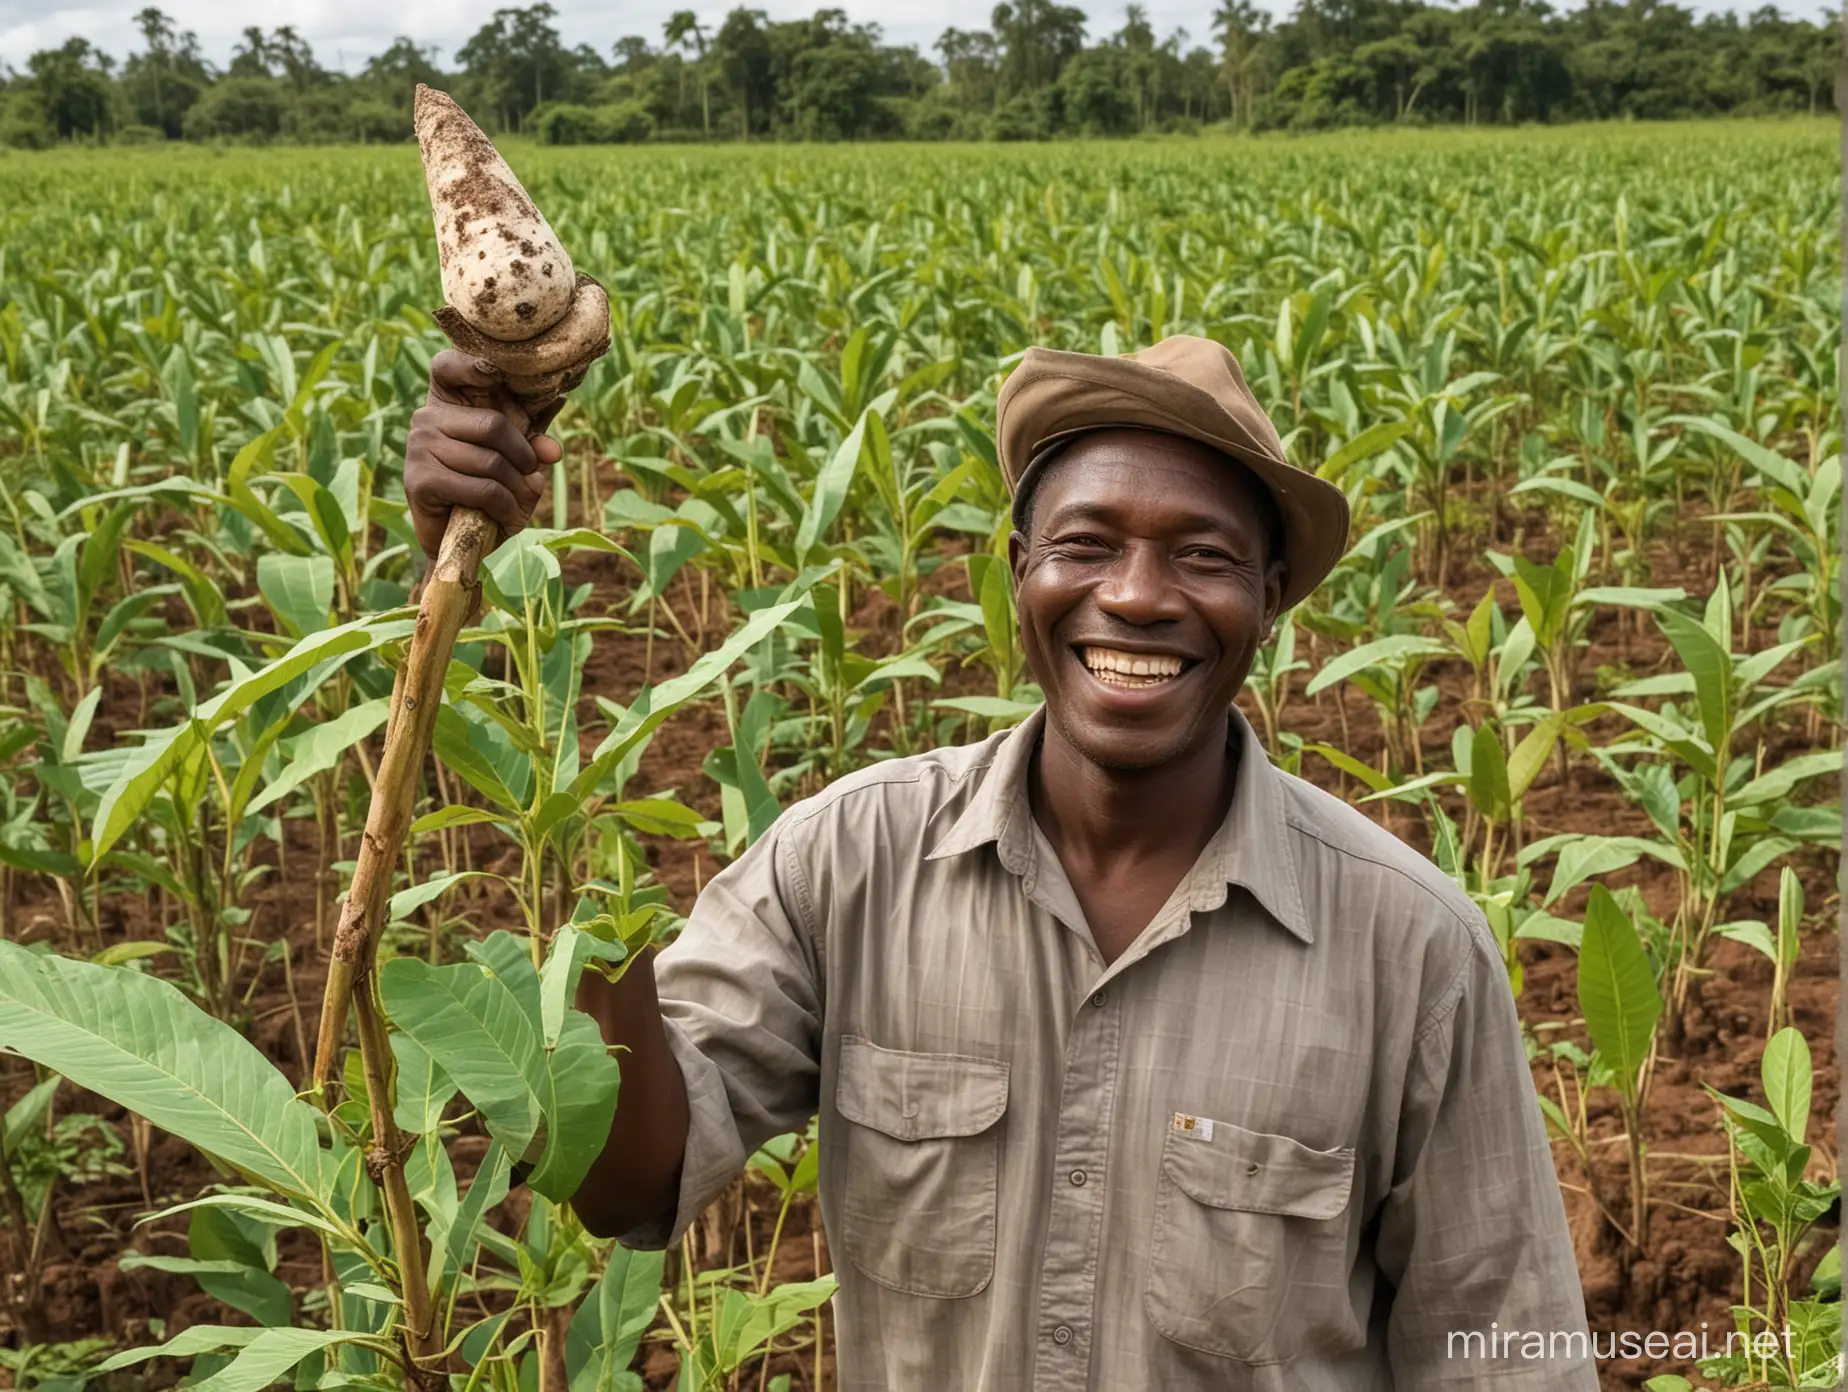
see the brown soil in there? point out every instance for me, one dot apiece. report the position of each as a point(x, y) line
point(1688, 1274)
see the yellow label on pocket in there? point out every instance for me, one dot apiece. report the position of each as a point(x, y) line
point(1199, 1126)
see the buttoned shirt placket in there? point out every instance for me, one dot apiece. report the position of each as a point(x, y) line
point(1080, 1176)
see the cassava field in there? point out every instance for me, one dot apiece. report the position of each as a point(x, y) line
point(1580, 385)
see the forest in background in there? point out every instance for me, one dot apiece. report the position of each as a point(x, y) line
point(1036, 73)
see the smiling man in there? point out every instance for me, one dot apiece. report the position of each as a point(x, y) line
point(1140, 1063)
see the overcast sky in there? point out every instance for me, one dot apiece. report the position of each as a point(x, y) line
point(346, 32)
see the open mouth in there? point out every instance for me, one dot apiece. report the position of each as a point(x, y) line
point(1131, 671)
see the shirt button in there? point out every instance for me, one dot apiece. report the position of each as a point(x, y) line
point(1078, 1178)
point(1062, 1335)
point(1098, 1000)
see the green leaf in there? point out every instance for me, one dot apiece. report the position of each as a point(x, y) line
point(832, 485)
point(122, 953)
point(455, 815)
point(1365, 445)
point(1348, 764)
point(659, 816)
point(1392, 652)
point(508, 958)
point(221, 1234)
point(320, 748)
point(997, 603)
point(642, 719)
point(1785, 1069)
point(1531, 753)
point(27, 1115)
point(485, 1192)
point(582, 1081)
point(1629, 596)
point(1753, 933)
point(1488, 774)
point(761, 808)
point(139, 1042)
point(608, 1326)
point(1685, 743)
point(423, 1088)
point(271, 1354)
point(1545, 592)
point(324, 515)
point(78, 727)
point(146, 769)
point(1584, 857)
point(988, 707)
point(264, 1210)
point(745, 1323)
point(456, 749)
point(1616, 989)
point(1771, 464)
point(1776, 785)
point(298, 589)
point(572, 948)
point(1565, 487)
point(245, 1288)
point(408, 901)
point(1710, 665)
point(200, 1338)
point(1789, 914)
point(181, 1266)
point(476, 1031)
point(476, 1027)
point(1546, 927)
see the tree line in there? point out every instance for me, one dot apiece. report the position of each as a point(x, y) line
point(1036, 72)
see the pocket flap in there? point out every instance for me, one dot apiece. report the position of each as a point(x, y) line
point(1259, 1173)
point(916, 1096)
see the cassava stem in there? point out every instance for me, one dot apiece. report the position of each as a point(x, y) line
point(517, 303)
point(417, 695)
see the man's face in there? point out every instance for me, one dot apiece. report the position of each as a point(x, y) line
point(1144, 593)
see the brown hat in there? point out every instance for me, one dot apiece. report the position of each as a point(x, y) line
point(1184, 386)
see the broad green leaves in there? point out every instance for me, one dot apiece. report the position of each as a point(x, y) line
point(263, 1355)
point(139, 1042)
point(148, 767)
point(662, 700)
point(483, 1024)
point(608, 1327)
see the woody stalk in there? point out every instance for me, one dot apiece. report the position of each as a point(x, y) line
point(514, 300)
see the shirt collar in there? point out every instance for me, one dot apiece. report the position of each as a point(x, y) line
point(1251, 849)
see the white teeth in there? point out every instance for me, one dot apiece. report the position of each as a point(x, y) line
point(1114, 667)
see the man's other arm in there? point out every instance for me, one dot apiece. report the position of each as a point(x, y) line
point(1473, 1232)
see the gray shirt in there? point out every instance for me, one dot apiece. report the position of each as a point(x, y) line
point(1287, 1140)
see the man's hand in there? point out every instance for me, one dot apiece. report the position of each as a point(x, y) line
point(463, 451)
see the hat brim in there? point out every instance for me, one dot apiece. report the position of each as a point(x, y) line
point(1053, 396)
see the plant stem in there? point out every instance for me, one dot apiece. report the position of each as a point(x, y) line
point(385, 1164)
point(449, 597)
point(417, 696)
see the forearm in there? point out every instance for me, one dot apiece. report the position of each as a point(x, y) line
point(637, 1177)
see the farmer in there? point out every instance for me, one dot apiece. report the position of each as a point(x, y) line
point(1140, 1063)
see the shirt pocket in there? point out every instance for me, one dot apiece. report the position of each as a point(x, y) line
point(922, 1166)
point(1249, 1254)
